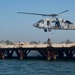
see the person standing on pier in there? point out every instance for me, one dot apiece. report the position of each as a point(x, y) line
point(49, 42)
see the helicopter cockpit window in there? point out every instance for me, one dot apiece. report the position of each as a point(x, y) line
point(68, 22)
point(41, 21)
point(48, 23)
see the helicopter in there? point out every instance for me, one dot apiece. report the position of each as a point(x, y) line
point(53, 22)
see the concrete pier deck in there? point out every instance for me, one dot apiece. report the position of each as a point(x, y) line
point(50, 52)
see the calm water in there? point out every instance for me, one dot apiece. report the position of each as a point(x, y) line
point(36, 67)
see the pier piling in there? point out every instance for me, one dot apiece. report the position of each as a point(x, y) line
point(48, 52)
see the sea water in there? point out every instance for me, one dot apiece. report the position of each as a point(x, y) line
point(36, 67)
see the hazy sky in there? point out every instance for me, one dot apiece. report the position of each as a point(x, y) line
point(18, 27)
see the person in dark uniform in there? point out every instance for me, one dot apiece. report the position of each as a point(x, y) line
point(49, 42)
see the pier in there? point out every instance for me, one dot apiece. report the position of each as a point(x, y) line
point(54, 51)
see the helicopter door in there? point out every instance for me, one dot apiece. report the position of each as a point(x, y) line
point(48, 23)
point(57, 24)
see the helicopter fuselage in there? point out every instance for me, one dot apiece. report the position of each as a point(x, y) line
point(54, 23)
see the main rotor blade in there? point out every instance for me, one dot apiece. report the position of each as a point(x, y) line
point(52, 15)
point(63, 12)
point(32, 13)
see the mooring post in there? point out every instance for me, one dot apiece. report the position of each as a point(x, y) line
point(48, 55)
point(54, 55)
point(25, 53)
point(21, 54)
point(2, 55)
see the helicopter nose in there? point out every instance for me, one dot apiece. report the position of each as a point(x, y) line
point(36, 25)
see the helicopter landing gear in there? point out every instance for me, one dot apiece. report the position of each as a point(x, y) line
point(49, 30)
point(45, 30)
